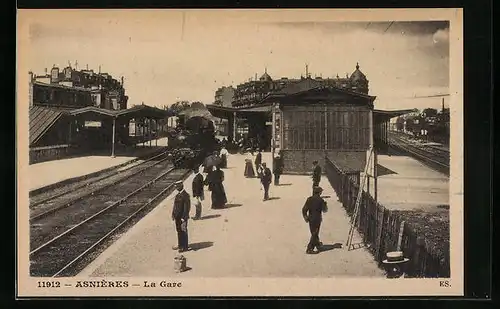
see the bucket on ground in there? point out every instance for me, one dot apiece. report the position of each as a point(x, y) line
point(179, 263)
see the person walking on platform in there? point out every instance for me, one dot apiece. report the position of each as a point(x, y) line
point(266, 180)
point(316, 174)
point(258, 161)
point(223, 157)
point(180, 215)
point(249, 171)
point(278, 168)
point(215, 181)
point(198, 192)
point(312, 212)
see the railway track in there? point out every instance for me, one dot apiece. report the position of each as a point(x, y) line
point(432, 156)
point(46, 196)
point(86, 189)
point(61, 240)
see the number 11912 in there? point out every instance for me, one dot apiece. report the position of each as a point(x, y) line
point(49, 284)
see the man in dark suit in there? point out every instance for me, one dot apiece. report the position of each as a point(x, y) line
point(198, 192)
point(266, 180)
point(316, 174)
point(258, 161)
point(180, 215)
point(312, 212)
point(278, 168)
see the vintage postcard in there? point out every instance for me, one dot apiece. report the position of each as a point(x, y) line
point(240, 152)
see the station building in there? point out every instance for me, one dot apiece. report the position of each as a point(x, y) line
point(312, 119)
point(76, 112)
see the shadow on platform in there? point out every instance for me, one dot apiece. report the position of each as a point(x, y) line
point(209, 217)
point(325, 248)
point(201, 245)
point(382, 170)
point(232, 205)
point(284, 184)
point(274, 198)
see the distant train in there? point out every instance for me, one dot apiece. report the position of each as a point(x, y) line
point(194, 137)
point(434, 128)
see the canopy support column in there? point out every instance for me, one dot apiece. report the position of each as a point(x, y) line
point(113, 138)
point(234, 126)
point(157, 133)
point(149, 131)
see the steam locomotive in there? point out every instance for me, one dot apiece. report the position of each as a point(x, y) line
point(192, 140)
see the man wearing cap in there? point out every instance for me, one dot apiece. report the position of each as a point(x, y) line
point(312, 212)
point(180, 215)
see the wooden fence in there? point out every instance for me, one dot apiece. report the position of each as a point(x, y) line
point(47, 153)
point(380, 227)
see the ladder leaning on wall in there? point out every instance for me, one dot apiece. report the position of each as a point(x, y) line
point(358, 200)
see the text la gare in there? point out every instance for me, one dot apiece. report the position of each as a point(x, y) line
point(162, 284)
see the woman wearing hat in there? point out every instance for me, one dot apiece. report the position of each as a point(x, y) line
point(215, 181)
point(312, 212)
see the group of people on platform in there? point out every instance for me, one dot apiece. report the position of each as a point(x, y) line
point(214, 179)
point(312, 210)
point(263, 172)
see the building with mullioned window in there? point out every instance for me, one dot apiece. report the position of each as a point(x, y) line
point(310, 119)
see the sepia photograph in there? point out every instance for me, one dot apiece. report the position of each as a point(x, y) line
point(240, 152)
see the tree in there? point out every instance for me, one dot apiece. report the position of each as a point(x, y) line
point(179, 106)
point(430, 112)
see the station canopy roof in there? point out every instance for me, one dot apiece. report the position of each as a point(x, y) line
point(139, 111)
point(224, 112)
point(386, 115)
point(314, 94)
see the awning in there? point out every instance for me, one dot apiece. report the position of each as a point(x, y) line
point(93, 110)
point(386, 115)
point(226, 112)
point(143, 111)
point(140, 111)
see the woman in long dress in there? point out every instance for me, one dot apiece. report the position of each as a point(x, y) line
point(215, 180)
point(223, 157)
point(249, 171)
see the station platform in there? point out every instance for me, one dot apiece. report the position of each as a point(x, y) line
point(50, 172)
point(405, 183)
point(249, 238)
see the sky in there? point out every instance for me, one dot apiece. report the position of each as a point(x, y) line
point(165, 56)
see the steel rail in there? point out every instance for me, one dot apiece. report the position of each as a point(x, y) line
point(84, 184)
point(407, 147)
point(102, 211)
point(110, 233)
point(76, 199)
